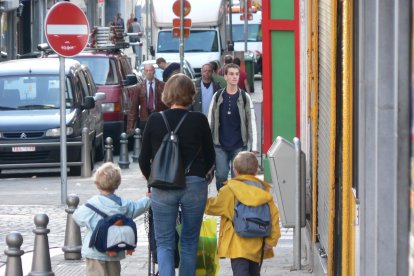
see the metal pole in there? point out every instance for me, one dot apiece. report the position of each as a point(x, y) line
point(230, 25)
point(63, 151)
point(147, 28)
point(181, 35)
point(297, 229)
point(246, 9)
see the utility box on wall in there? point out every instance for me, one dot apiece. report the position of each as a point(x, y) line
point(282, 163)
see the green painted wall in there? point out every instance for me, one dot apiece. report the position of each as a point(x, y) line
point(283, 85)
point(282, 9)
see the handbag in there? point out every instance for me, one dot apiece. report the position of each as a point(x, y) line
point(167, 169)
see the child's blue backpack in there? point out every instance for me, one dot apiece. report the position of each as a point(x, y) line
point(252, 221)
point(113, 233)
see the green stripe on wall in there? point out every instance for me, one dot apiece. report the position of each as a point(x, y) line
point(282, 9)
point(283, 85)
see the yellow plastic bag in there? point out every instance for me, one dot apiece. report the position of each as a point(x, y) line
point(207, 258)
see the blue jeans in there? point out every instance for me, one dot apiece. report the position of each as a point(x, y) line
point(224, 161)
point(164, 204)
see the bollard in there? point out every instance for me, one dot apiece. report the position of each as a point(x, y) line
point(123, 152)
point(73, 240)
point(109, 150)
point(41, 265)
point(137, 145)
point(14, 263)
point(86, 154)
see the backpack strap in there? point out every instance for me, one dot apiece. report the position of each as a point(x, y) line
point(99, 212)
point(178, 125)
point(242, 92)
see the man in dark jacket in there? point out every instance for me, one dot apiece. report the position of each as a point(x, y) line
point(205, 88)
point(146, 101)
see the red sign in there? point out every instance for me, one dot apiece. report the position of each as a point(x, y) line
point(176, 32)
point(176, 7)
point(186, 21)
point(66, 29)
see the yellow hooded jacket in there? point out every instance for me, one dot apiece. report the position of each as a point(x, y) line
point(230, 244)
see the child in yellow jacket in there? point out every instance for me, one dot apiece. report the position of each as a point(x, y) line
point(245, 253)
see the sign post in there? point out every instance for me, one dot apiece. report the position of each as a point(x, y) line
point(181, 8)
point(67, 32)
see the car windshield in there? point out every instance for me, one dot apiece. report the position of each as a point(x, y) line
point(32, 92)
point(198, 41)
point(103, 69)
point(254, 33)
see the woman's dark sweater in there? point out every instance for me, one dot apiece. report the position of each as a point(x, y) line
point(194, 133)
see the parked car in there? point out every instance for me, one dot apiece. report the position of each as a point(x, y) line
point(30, 113)
point(187, 69)
point(112, 72)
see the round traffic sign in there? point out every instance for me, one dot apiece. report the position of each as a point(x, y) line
point(176, 7)
point(66, 29)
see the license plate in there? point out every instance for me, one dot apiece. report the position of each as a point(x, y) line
point(23, 149)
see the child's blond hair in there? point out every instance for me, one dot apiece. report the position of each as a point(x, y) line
point(246, 162)
point(108, 177)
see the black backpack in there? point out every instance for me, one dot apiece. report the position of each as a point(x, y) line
point(167, 169)
point(113, 233)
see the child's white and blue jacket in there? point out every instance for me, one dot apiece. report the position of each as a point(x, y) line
point(110, 205)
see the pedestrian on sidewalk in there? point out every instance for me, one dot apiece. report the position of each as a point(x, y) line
point(243, 80)
point(107, 180)
point(245, 253)
point(146, 101)
point(197, 151)
point(205, 88)
point(233, 123)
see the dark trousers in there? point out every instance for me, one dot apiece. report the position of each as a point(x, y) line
point(244, 267)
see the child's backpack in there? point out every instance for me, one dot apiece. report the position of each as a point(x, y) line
point(113, 233)
point(252, 221)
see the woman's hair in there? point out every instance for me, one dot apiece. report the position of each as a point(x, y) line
point(179, 89)
point(246, 162)
point(108, 177)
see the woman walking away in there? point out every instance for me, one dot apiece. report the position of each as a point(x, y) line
point(198, 154)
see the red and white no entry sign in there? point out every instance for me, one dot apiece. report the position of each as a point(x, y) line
point(66, 29)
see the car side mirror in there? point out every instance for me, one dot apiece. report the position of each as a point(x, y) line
point(89, 103)
point(130, 79)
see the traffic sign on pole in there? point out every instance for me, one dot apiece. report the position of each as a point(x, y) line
point(66, 29)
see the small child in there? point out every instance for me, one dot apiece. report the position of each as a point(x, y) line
point(107, 180)
point(245, 253)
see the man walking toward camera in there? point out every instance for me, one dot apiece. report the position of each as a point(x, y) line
point(146, 101)
point(205, 88)
point(232, 122)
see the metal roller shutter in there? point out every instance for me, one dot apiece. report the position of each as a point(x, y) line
point(325, 61)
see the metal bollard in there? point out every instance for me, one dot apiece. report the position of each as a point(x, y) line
point(14, 263)
point(86, 154)
point(41, 265)
point(73, 239)
point(109, 150)
point(137, 145)
point(123, 152)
